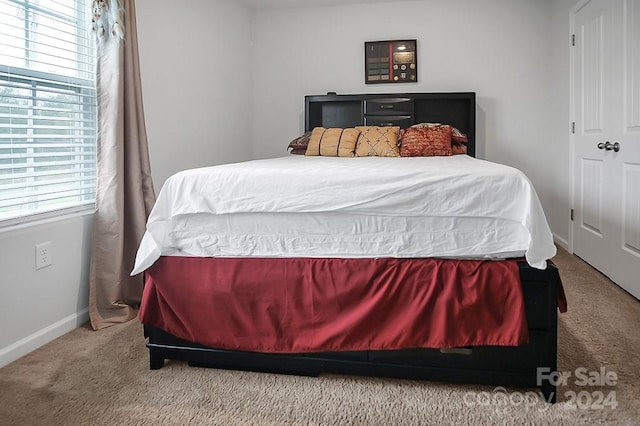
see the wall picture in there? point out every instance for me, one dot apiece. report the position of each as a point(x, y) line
point(390, 61)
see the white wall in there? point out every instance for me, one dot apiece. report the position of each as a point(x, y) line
point(497, 48)
point(196, 79)
point(37, 306)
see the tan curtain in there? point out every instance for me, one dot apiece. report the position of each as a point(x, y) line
point(124, 193)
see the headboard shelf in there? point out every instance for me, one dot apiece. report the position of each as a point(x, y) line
point(401, 109)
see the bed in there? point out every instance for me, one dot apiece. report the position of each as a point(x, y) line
point(429, 268)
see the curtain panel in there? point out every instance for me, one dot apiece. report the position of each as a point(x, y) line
point(124, 189)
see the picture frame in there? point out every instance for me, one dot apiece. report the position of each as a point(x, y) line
point(390, 61)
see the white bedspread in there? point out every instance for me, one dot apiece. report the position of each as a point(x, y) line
point(454, 206)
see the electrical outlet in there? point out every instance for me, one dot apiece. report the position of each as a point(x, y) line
point(44, 255)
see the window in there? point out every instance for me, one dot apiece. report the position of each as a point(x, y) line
point(47, 107)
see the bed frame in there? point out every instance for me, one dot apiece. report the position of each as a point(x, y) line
point(528, 365)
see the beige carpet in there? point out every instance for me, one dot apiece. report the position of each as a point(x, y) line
point(102, 378)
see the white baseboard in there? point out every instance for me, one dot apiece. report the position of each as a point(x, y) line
point(42, 337)
point(561, 241)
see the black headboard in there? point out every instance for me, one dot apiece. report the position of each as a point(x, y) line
point(399, 109)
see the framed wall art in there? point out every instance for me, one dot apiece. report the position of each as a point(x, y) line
point(390, 61)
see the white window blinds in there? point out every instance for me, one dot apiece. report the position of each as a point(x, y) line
point(47, 106)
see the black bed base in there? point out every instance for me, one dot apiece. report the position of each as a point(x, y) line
point(527, 365)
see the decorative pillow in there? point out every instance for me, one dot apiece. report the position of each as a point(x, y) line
point(377, 141)
point(458, 147)
point(298, 146)
point(456, 135)
point(458, 139)
point(334, 142)
point(427, 141)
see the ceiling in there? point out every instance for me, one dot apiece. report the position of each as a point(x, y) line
point(268, 4)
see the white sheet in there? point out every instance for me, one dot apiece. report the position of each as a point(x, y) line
point(454, 206)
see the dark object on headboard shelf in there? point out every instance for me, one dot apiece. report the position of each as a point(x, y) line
point(394, 109)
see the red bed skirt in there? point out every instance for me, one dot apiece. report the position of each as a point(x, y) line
point(299, 305)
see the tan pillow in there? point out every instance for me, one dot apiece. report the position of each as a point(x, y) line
point(377, 141)
point(334, 142)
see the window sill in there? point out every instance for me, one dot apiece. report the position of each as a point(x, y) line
point(45, 218)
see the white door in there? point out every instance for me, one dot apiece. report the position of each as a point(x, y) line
point(606, 163)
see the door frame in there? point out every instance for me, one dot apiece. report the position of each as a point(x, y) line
point(572, 117)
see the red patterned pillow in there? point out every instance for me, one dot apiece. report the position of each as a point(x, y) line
point(458, 139)
point(298, 146)
point(456, 135)
point(458, 147)
point(428, 141)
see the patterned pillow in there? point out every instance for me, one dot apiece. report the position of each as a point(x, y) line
point(335, 142)
point(427, 141)
point(456, 135)
point(458, 147)
point(378, 141)
point(298, 146)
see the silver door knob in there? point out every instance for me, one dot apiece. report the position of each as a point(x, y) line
point(608, 146)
